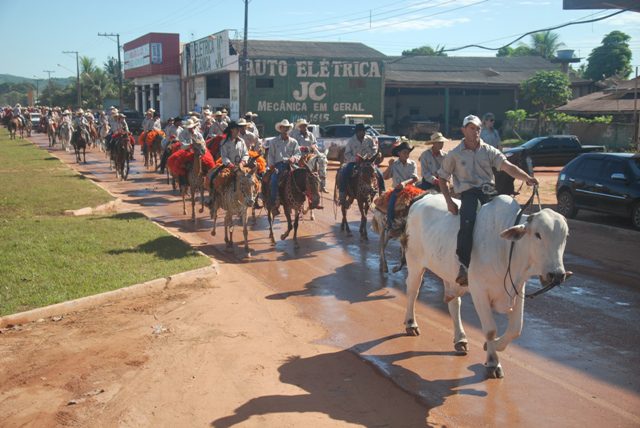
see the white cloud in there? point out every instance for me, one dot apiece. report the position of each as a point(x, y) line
point(626, 19)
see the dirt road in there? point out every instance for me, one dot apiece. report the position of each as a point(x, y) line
point(313, 337)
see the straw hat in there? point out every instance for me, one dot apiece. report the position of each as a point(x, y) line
point(189, 123)
point(437, 137)
point(242, 122)
point(301, 122)
point(285, 123)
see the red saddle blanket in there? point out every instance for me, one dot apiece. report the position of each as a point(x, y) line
point(403, 201)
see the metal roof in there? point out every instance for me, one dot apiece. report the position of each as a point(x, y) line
point(290, 49)
point(439, 70)
point(598, 103)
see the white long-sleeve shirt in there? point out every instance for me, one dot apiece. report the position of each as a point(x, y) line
point(231, 152)
point(365, 148)
point(283, 150)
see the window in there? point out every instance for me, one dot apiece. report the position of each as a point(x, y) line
point(345, 131)
point(218, 86)
point(613, 166)
point(264, 83)
point(590, 168)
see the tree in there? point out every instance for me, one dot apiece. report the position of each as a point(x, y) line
point(425, 50)
point(547, 89)
point(612, 58)
point(521, 50)
point(546, 43)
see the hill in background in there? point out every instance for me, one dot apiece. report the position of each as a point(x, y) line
point(58, 81)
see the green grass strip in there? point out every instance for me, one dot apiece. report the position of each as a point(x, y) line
point(49, 258)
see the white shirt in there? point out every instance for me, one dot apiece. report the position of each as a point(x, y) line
point(231, 151)
point(283, 150)
point(403, 171)
point(367, 148)
point(430, 164)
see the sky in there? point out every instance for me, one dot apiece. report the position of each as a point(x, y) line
point(42, 29)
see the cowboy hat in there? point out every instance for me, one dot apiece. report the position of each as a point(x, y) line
point(79, 111)
point(242, 122)
point(66, 112)
point(402, 146)
point(121, 115)
point(194, 113)
point(150, 110)
point(224, 110)
point(283, 122)
point(301, 122)
point(250, 114)
point(189, 123)
point(217, 113)
point(437, 137)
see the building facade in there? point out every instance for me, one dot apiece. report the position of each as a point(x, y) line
point(153, 62)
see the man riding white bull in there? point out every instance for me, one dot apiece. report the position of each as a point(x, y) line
point(284, 151)
point(364, 146)
point(307, 142)
point(470, 166)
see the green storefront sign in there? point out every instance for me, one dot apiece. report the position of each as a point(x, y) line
point(319, 90)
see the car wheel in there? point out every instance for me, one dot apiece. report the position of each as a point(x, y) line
point(635, 215)
point(566, 204)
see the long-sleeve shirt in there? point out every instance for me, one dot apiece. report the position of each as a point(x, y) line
point(304, 140)
point(251, 127)
point(217, 128)
point(403, 171)
point(172, 130)
point(430, 163)
point(283, 150)
point(232, 152)
point(251, 140)
point(147, 124)
point(120, 126)
point(365, 148)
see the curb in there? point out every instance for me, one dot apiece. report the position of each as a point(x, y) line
point(203, 276)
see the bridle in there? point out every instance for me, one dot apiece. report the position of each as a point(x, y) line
point(552, 284)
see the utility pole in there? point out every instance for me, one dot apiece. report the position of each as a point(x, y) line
point(50, 87)
point(77, 77)
point(119, 64)
point(37, 88)
point(244, 69)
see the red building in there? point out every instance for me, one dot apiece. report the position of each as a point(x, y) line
point(153, 62)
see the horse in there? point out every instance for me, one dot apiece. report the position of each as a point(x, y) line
point(28, 125)
point(15, 125)
point(80, 141)
point(103, 131)
point(153, 151)
point(294, 188)
point(120, 153)
point(51, 132)
point(93, 135)
point(235, 196)
point(316, 164)
point(65, 135)
point(362, 187)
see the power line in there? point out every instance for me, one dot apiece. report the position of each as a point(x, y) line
point(537, 31)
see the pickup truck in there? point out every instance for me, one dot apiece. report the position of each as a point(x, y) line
point(333, 138)
point(134, 120)
point(551, 150)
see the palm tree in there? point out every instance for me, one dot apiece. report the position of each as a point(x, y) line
point(87, 65)
point(98, 86)
point(546, 43)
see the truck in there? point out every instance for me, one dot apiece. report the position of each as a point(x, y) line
point(550, 150)
point(334, 139)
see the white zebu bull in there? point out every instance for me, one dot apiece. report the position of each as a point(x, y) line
point(430, 243)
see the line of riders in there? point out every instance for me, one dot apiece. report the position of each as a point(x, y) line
point(226, 146)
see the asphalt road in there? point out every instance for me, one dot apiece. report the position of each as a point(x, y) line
point(574, 365)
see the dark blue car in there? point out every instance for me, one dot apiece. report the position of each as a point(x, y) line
point(603, 182)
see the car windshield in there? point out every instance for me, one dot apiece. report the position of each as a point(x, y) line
point(372, 131)
point(529, 144)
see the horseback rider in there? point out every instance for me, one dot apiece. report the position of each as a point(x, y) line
point(251, 125)
point(80, 124)
point(283, 152)
point(362, 145)
point(119, 129)
point(171, 131)
point(232, 151)
point(217, 126)
point(403, 172)
point(307, 142)
point(17, 112)
point(431, 161)
point(250, 139)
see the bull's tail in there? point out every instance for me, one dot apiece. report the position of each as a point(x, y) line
point(378, 222)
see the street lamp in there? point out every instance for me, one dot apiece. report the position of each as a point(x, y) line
point(77, 76)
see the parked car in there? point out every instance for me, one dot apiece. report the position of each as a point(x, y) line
point(134, 120)
point(35, 121)
point(334, 139)
point(552, 150)
point(604, 182)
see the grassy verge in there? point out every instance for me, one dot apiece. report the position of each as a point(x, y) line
point(49, 258)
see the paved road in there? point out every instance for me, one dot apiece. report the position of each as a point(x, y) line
point(574, 365)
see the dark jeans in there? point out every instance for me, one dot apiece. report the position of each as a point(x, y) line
point(273, 186)
point(471, 201)
point(391, 208)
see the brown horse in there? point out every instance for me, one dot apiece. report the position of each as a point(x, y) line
point(120, 154)
point(294, 188)
point(80, 141)
point(15, 125)
point(361, 187)
point(51, 132)
point(153, 152)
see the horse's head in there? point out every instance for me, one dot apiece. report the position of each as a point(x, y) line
point(247, 185)
point(309, 183)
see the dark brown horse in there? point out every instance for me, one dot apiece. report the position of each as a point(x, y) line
point(361, 187)
point(294, 188)
point(80, 141)
point(120, 154)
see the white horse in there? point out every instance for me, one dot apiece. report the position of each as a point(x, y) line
point(103, 131)
point(65, 136)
